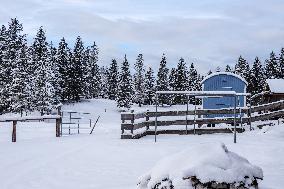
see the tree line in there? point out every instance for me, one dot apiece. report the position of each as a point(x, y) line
point(257, 73)
point(41, 76)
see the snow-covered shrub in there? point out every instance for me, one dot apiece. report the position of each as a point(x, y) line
point(202, 167)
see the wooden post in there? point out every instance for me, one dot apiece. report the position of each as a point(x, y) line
point(147, 119)
point(156, 118)
point(132, 120)
point(186, 128)
point(58, 123)
point(14, 134)
point(235, 117)
point(194, 122)
point(78, 126)
point(90, 123)
point(250, 113)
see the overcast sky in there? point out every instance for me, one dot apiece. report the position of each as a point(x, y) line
point(209, 33)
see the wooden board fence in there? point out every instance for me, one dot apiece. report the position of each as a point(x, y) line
point(132, 121)
point(15, 120)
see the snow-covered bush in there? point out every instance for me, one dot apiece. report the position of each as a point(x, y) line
point(203, 166)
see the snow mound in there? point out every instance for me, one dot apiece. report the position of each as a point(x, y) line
point(206, 162)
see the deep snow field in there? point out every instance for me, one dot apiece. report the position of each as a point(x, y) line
point(39, 160)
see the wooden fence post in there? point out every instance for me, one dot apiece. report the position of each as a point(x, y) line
point(132, 120)
point(58, 127)
point(58, 122)
point(147, 119)
point(14, 134)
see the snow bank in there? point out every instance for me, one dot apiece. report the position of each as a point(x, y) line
point(206, 162)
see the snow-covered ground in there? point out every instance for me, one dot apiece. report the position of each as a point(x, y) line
point(102, 160)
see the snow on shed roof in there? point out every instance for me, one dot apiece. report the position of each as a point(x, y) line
point(276, 85)
point(224, 73)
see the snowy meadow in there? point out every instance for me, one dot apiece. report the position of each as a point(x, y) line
point(102, 160)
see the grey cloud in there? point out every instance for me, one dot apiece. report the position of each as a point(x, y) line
point(209, 34)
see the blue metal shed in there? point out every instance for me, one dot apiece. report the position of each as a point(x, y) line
point(223, 81)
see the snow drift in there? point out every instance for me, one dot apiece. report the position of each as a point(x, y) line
point(203, 163)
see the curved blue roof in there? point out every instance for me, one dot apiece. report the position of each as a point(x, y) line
point(224, 73)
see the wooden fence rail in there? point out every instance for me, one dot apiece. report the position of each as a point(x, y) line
point(15, 120)
point(132, 121)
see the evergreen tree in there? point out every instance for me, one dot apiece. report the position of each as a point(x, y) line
point(13, 62)
point(162, 80)
point(218, 69)
point(43, 91)
point(55, 75)
point(19, 96)
point(172, 85)
point(181, 83)
point(242, 68)
point(228, 69)
point(125, 92)
point(93, 77)
point(139, 88)
point(272, 69)
point(257, 77)
point(77, 70)
point(192, 81)
point(281, 64)
point(113, 80)
point(149, 87)
point(192, 76)
point(3, 68)
point(63, 62)
point(104, 74)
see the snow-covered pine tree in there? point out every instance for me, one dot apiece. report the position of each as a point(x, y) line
point(14, 82)
point(162, 81)
point(272, 68)
point(113, 80)
point(181, 83)
point(192, 80)
point(125, 91)
point(281, 64)
point(172, 85)
point(3, 68)
point(257, 77)
point(149, 87)
point(242, 68)
point(19, 94)
point(63, 62)
point(138, 81)
point(228, 69)
point(43, 94)
point(218, 69)
point(55, 75)
point(93, 77)
point(104, 74)
point(78, 70)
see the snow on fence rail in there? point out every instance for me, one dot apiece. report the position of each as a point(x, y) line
point(14, 120)
point(141, 122)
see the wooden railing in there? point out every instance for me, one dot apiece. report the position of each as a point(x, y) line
point(132, 121)
point(15, 120)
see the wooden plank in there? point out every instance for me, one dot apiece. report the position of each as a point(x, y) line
point(127, 126)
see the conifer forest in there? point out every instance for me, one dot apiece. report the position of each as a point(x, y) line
point(40, 75)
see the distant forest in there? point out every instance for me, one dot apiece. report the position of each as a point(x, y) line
point(40, 76)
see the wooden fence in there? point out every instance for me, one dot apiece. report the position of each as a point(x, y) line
point(15, 120)
point(134, 121)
